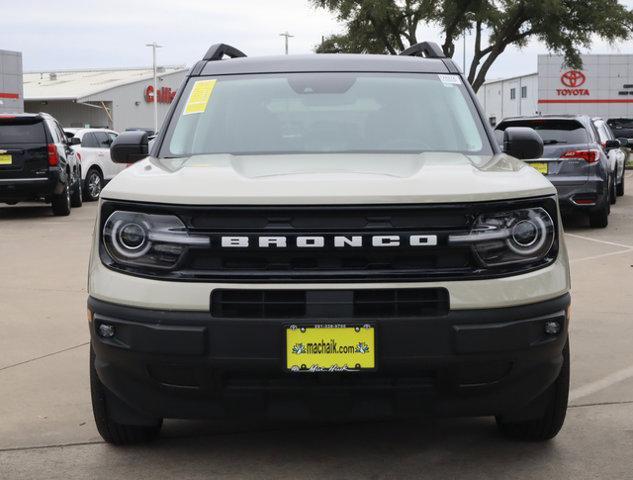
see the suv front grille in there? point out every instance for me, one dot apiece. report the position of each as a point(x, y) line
point(360, 303)
point(328, 263)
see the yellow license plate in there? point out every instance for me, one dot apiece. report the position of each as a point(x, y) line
point(330, 348)
point(540, 167)
point(6, 159)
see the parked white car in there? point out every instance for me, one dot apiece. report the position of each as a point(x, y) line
point(92, 148)
point(617, 157)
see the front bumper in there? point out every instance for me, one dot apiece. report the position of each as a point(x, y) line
point(184, 364)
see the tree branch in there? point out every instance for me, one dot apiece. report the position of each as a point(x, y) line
point(478, 55)
point(451, 29)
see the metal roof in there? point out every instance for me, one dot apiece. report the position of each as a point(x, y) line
point(325, 63)
point(78, 84)
point(508, 79)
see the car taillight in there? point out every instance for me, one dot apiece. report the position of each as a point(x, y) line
point(589, 156)
point(53, 156)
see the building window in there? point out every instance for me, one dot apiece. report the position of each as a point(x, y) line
point(523, 92)
point(513, 93)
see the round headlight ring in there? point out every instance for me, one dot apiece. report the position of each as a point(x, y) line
point(535, 244)
point(127, 251)
point(132, 236)
point(525, 233)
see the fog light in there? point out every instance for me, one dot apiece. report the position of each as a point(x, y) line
point(552, 328)
point(106, 331)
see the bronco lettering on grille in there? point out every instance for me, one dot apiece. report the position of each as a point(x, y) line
point(338, 241)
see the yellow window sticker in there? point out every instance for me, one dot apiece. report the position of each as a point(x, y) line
point(199, 96)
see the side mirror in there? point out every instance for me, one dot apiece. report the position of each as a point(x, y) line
point(611, 144)
point(74, 141)
point(522, 142)
point(129, 147)
point(624, 142)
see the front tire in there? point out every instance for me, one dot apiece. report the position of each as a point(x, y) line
point(613, 198)
point(93, 185)
point(61, 203)
point(550, 423)
point(76, 197)
point(621, 185)
point(110, 430)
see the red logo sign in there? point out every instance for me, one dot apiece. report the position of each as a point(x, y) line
point(163, 95)
point(573, 79)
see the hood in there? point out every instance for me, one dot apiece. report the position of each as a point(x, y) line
point(327, 179)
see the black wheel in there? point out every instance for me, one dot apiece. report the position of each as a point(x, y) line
point(620, 189)
point(93, 185)
point(600, 218)
point(111, 431)
point(613, 198)
point(62, 203)
point(76, 197)
point(547, 426)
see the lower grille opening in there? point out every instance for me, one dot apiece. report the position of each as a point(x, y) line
point(334, 381)
point(174, 375)
point(361, 303)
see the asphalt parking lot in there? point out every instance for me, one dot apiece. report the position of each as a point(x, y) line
point(47, 430)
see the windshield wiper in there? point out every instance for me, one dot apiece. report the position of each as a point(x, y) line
point(552, 142)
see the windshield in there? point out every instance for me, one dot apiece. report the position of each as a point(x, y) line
point(620, 123)
point(325, 113)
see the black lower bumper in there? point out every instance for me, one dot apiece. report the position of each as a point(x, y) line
point(164, 364)
point(31, 189)
point(587, 196)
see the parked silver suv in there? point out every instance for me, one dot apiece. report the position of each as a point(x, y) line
point(575, 161)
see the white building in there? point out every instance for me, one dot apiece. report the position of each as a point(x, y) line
point(602, 88)
point(11, 98)
point(116, 99)
point(509, 97)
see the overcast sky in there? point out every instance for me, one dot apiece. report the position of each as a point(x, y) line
point(94, 33)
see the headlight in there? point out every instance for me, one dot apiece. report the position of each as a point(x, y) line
point(518, 236)
point(147, 240)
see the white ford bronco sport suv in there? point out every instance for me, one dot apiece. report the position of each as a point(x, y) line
point(328, 237)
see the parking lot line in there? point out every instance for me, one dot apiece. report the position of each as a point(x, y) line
point(627, 248)
point(603, 383)
point(603, 255)
point(6, 367)
point(615, 244)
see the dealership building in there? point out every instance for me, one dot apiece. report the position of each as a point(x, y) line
point(11, 97)
point(602, 88)
point(110, 98)
point(123, 98)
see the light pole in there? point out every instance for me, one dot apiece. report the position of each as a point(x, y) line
point(287, 36)
point(154, 46)
point(464, 59)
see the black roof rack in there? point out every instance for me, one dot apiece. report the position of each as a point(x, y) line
point(424, 49)
point(217, 52)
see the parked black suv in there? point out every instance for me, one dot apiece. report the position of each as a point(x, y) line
point(622, 127)
point(37, 164)
point(575, 161)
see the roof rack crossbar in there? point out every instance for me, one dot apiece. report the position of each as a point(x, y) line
point(217, 52)
point(426, 49)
